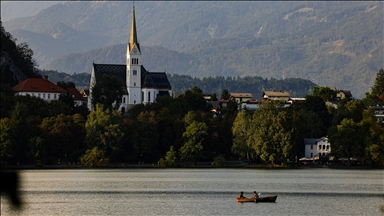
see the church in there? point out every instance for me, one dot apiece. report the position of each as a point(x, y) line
point(142, 86)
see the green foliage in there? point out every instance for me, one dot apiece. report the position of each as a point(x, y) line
point(6, 148)
point(193, 135)
point(376, 97)
point(94, 158)
point(273, 133)
point(37, 150)
point(108, 92)
point(347, 139)
point(224, 94)
point(64, 135)
point(144, 138)
point(374, 152)
point(171, 157)
point(240, 130)
point(325, 93)
point(104, 131)
point(19, 124)
point(17, 58)
point(219, 161)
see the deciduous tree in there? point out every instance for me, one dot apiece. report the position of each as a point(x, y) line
point(194, 136)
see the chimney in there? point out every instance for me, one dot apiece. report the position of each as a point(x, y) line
point(45, 77)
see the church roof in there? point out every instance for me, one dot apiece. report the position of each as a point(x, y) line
point(111, 70)
point(157, 80)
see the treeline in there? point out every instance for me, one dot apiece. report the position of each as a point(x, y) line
point(183, 129)
point(180, 83)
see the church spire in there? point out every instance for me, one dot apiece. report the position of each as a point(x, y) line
point(133, 35)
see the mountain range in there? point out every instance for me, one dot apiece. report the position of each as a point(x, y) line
point(331, 43)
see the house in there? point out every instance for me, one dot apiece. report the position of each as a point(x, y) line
point(77, 97)
point(251, 105)
point(317, 147)
point(276, 95)
point(341, 94)
point(141, 85)
point(241, 97)
point(295, 100)
point(379, 114)
point(84, 93)
point(39, 87)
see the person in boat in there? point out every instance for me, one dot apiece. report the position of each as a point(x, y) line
point(255, 195)
point(241, 195)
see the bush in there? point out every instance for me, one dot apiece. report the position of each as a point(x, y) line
point(219, 161)
point(94, 158)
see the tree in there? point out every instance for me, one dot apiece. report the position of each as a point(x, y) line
point(108, 93)
point(171, 157)
point(6, 149)
point(64, 135)
point(20, 132)
point(37, 150)
point(94, 158)
point(240, 131)
point(193, 135)
point(6, 94)
point(378, 87)
point(104, 130)
point(272, 134)
point(325, 93)
point(194, 99)
point(213, 97)
point(376, 97)
point(145, 136)
point(374, 151)
point(58, 107)
point(347, 139)
point(224, 95)
point(19, 63)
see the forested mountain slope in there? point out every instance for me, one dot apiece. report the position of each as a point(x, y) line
point(330, 43)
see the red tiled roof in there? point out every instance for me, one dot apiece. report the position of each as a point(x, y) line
point(38, 85)
point(75, 94)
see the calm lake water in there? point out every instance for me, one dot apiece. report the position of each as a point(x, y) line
point(318, 191)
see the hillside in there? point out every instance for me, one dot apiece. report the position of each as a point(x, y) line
point(16, 9)
point(330, 43)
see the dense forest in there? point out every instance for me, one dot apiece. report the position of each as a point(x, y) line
point(209, 85)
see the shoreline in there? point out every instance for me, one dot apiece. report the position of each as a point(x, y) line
point(187, 166)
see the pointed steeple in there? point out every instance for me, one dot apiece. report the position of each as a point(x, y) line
point(133, 35)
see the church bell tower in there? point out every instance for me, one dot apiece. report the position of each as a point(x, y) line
point(133, 66)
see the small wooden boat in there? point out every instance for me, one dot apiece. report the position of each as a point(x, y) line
point(258, 199)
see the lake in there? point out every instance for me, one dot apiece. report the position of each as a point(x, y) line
point(313, 191)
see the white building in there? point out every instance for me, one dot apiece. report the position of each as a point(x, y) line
point(142, 86)
point(39, 87)
point(276, 95)
point(317, 147)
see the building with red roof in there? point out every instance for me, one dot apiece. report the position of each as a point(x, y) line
point(39, 87)
point(77, 97)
